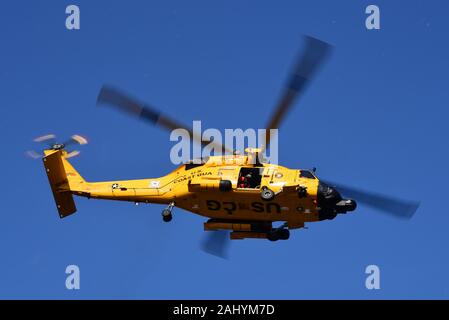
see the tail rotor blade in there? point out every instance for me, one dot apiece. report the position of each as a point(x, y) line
point(48, 139)
point(72, 154)
point(80, 139)
point(76, 139)
point(33, 154)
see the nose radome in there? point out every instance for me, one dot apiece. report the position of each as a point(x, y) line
point(327, 195)
point(331, 203)
point(345, 205)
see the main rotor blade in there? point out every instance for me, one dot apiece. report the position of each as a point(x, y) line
point(123, 102)
point(315, 53)
point(387, 204)
point(216, 243)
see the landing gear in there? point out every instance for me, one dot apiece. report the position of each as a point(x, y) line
point(284, 234)
point(278, 234)
point(267, 194)
point(166, 213)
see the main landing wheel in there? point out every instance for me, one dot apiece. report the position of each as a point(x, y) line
point(278, 234)
point(267, 194)
point(166, 215)
point(284, 234)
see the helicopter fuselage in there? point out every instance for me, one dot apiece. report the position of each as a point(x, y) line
point(229, 190)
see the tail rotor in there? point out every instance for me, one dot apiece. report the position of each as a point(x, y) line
point(50, 143)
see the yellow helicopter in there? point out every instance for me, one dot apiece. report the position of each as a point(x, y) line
point(237, 193)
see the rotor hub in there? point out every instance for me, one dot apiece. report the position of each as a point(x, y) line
point(58, 146)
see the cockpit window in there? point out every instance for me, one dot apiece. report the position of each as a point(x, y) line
point(306, 174)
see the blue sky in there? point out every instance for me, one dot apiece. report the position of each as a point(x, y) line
point(375, 117)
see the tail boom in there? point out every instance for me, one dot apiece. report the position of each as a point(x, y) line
point(65, 182)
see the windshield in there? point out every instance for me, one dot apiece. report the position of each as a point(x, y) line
point(306, 174)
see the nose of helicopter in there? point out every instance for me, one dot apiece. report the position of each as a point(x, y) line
point(330, 202)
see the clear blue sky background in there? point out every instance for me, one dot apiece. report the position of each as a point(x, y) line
point(375, 117)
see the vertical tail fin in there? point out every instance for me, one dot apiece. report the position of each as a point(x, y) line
point(63, 178)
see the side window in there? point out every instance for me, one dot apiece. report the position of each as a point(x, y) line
point(250, 178)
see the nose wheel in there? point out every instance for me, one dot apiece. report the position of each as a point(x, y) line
point(167, 213)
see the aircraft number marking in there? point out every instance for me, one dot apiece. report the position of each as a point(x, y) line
point(230, 207)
